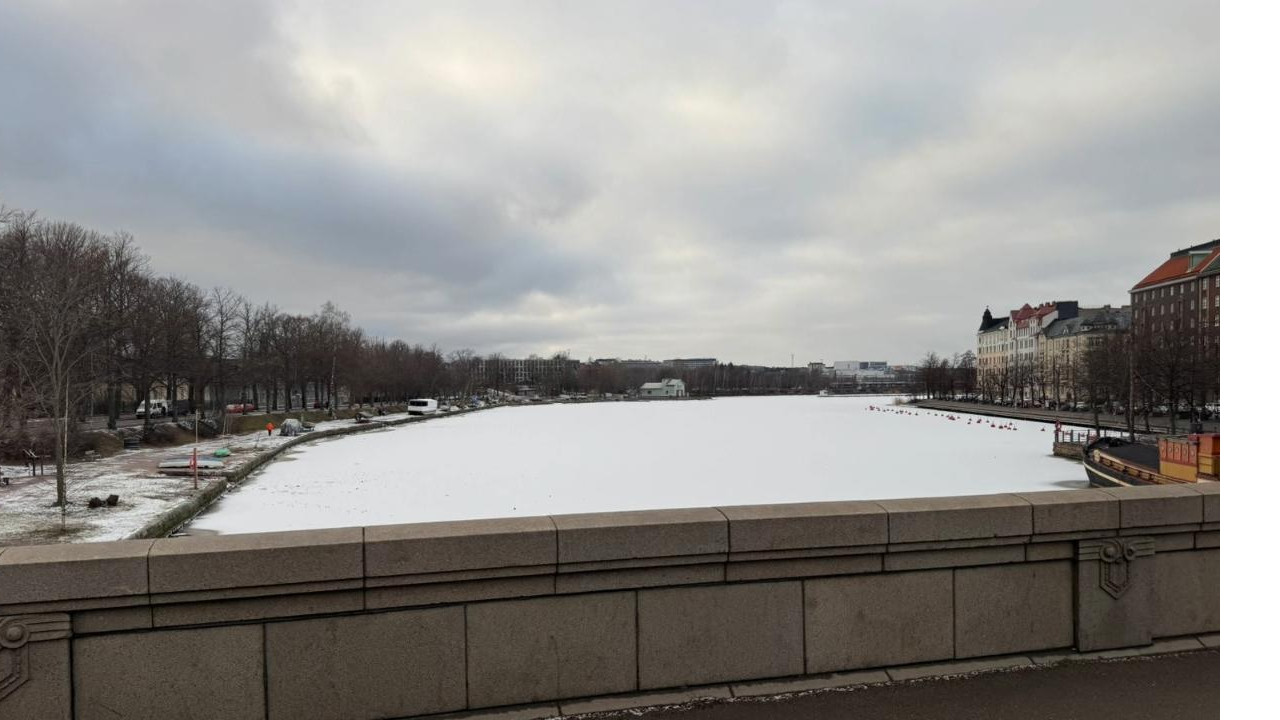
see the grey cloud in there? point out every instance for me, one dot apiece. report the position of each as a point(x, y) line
point(748, 180)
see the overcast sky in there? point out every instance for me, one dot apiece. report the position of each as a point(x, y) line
point(745, 180)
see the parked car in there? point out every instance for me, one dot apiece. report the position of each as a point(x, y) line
point(241, 407)
point(159, 408)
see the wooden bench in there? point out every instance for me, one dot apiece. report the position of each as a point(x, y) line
point(32, 459)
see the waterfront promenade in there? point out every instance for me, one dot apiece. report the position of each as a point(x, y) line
point(1068, 417)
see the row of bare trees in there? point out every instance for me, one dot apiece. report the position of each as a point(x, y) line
point(87, 328)
point(941, 377)
point(710, 379)
point(1132, 372)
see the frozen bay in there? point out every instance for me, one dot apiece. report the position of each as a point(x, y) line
point(592, 457)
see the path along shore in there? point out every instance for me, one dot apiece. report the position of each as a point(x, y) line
point(1068, 417)
point(151, 504)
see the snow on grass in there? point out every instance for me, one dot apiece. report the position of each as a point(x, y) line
point(28, 514)
point(596, 457)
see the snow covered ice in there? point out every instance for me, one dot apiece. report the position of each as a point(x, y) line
point(570, 458)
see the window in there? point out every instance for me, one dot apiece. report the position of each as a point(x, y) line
point(1217, 281)
point(1216, 299)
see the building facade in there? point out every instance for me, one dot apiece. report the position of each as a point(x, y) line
point(1180, 297)
point(667, 387)
point(1009, 348)
point(862, 368)
point(690, 363)
point(535, 371)
point(1177, 316)
point(1061, 366)
point(993, 351)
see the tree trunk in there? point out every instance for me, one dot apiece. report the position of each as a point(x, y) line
point(59, 441)
point(113, 405)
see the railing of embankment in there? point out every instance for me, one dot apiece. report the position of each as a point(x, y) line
point(409, 620)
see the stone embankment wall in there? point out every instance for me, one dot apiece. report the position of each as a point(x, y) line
point(410, 620)
point(1072, 450)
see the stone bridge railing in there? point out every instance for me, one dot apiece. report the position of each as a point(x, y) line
point(410, 620)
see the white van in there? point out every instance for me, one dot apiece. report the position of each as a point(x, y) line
point(423, 406)
point(159, 408)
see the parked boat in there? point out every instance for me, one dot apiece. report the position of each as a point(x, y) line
point(423, 406)
point(182, 465)
point(1115, 462)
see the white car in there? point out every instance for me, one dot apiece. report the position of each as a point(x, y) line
point(423, 406)
point(158, 409)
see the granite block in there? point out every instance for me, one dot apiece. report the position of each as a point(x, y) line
point(957, 518)
point(1155, 505)
point(213, 562)
point(1063, 511)
point(868, 621)
point(166, 674)
point(73, 571)
point(525, 651)
point(1014, 608)
point(805, 525)
point(646, 533)
point(1186, 598)
point(389, 664)
point(702, 635)
point(460, 545)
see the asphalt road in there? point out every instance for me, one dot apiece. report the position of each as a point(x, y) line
point(1168, 687)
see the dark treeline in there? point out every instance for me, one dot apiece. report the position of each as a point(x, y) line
point(86, 327)
point(718, 379)
point(731, 379)
point(941, 377)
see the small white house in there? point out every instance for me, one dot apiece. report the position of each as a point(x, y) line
point(669, 387)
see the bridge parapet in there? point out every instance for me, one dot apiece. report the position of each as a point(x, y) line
point(412, 620)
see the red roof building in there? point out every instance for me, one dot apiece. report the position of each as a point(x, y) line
point(1176, 317)
point(1181, 295)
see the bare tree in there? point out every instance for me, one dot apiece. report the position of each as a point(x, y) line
point(224, 314)
point(60, 325)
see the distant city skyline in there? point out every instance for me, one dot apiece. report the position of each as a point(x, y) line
point(740, 180)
